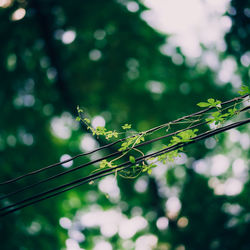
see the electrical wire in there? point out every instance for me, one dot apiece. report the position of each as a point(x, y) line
point(120, 140)
point(100, 159)
point(94, 161)
point(68, 186)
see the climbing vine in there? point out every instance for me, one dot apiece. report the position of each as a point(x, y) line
point(125, 161)
point(128, 146)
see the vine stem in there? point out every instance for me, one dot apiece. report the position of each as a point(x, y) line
point(116, 142)
point(91, 162)
point(100, 159)
point(52, 192)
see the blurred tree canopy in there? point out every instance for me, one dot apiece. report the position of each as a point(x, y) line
point(102, 56)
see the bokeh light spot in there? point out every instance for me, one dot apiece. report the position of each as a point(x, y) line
point(65, 222)
point(103, 245)
point(98, 121)
point(109, 186)
point(18, 14)
point(185, 88)
point(5, 3)
point(233, 186)
point(146, 242)
point(11, 62)
point(72, 245)
point(220, 164)
point(182, 222)
point(141, 185)
point(128, 228)
point(88, 143)
point(162, 223)
point(173, 206)
point(132, 6)
point(64, 158)
point(68, 36)
point(210, 143)
point(95, 55)
point(239, 167)
point(76, 235)
point(200, 166)
point(99, 34)
point(11, 140)
point(155, 87)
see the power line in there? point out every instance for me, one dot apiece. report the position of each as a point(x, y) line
point(93, 162)
point(48, 194)
point(57, 164)
point(100, 159)
point(120, 140)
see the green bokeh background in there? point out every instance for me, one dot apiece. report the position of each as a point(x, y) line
point(43, 78)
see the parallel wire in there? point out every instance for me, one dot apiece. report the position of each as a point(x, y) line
point(100, 159)
point(93, 162)
point(50, 193)
point(120, 140)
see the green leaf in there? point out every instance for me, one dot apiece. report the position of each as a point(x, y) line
point(209, 120)
point(211, 100)
point(86, 120)
point(203, 104)
point(149, 171)
point(78, 118)
point(132, 159)
point(126, 126)
point(211, 103)
point(216, 114)
point(79, 110)
point(244, 90)
point(153, 166)
point(101, 130)
point(232, 112)
point(103, 163)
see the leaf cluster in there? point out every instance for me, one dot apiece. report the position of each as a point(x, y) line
point(128, 144)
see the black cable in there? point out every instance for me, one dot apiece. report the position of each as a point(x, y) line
point(113, 143)
point(114, 169)
point(57, 164)
point(100, 159)
point(93, 162)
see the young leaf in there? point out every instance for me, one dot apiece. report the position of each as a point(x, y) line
point(244, 90)
point(211, 100)
point(203, 104)
point(79, 110)
point(132, 159)
point(126, 126)
point(232, 112)
point(101, 130)
point(149, 171)
point(103, 163)
point(86, 120)
point(115, 134)
point(211, 103)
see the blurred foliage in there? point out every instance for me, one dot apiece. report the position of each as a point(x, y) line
point(110, 68)
point(238, 39)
